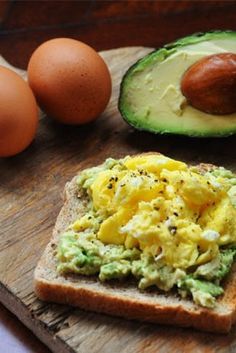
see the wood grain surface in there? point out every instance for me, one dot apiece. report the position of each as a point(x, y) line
point(15, 337)
point(31, 186)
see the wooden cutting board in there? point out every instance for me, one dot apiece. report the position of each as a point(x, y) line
point(31, 186)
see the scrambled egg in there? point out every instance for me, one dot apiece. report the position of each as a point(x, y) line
point(162, 207)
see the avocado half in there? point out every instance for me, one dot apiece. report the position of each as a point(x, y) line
point(150, 95)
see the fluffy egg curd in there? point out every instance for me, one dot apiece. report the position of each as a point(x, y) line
point(157, 220)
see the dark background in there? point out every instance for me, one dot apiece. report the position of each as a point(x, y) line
point(106, 24)
point(103, 25)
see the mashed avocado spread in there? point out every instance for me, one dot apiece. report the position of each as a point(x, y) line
point(157, 220)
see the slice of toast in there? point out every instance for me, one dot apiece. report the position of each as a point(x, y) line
point(122, 298)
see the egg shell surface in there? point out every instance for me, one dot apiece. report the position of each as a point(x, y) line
point(70, 80)
point(18, 114)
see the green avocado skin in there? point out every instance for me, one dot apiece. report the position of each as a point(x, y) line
point(159, 56)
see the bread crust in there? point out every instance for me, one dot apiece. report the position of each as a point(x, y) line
point(125, 299)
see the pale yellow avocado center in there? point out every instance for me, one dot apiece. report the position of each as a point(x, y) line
point(156, 94)
point(164, 208)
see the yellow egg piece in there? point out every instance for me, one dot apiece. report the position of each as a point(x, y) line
point(153, 163)
point(164, 208)
point(110, 230)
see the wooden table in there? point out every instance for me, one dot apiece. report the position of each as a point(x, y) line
point(103, 25)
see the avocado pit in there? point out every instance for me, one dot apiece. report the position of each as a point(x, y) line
point(210, 84)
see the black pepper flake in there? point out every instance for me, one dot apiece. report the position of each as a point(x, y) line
point(143, 172)
point(89, 217)
point(156, 208)
point(161, 192)
point(181, 181)
point(176, 214)
point(122, 185)
point(172, 229)
point(116, 178)
point(164, 180)
point(208, 182)
point(109, 186)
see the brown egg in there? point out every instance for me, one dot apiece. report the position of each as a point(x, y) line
point(70, 80)
point(18, 113)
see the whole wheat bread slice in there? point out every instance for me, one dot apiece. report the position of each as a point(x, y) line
point(122, 298)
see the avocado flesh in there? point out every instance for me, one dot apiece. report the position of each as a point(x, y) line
point(151, 99)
